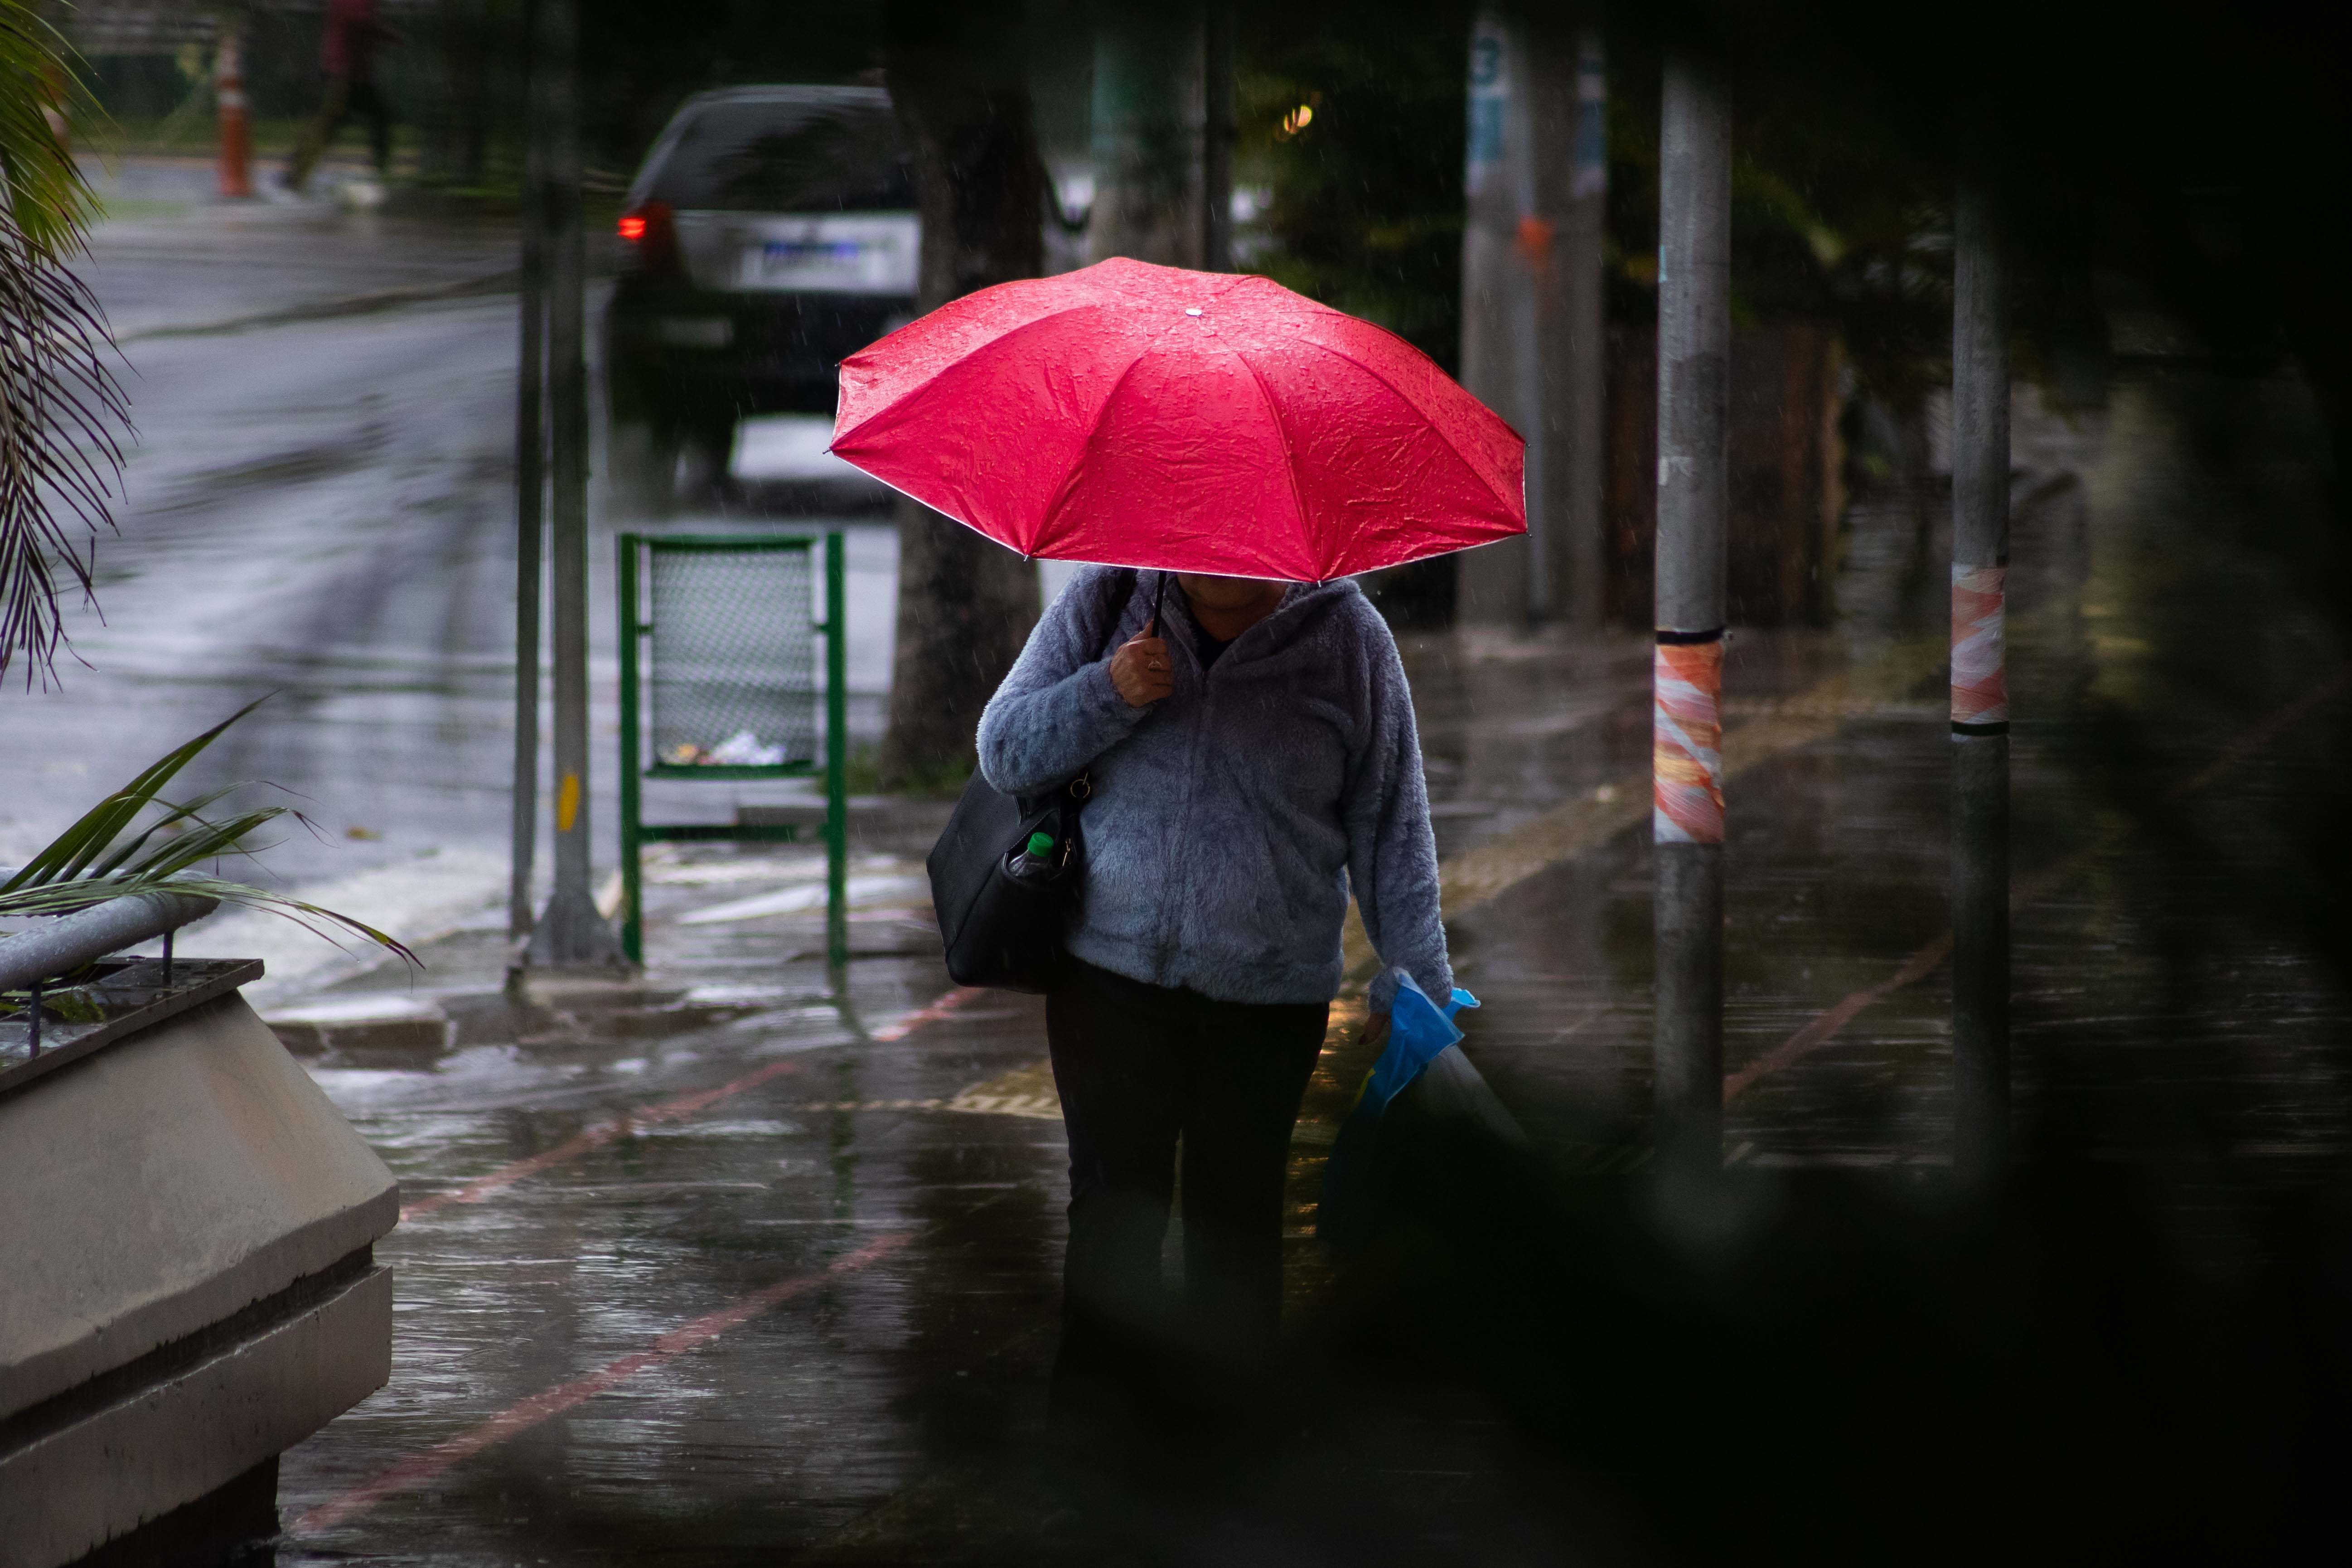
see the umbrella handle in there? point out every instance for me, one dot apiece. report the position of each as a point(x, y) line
point(1158, 594)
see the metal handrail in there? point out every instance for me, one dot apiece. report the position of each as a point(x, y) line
point(66, 942)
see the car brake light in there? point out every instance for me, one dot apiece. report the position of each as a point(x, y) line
point(653, 236)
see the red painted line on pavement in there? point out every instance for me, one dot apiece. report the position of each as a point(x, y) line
point(419, 1468)
point(2262, 734)
point(1815, 1034)
point(596, 1137)
point(1924, 962)
point(685, 1105)
point(930, 1015)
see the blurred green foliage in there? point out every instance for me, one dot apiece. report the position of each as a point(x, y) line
point(1366, 212)
point(47, 202)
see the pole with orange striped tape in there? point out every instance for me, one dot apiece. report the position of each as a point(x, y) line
point(1687, 728)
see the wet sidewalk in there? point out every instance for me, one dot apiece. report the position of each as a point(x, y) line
point(747, 1260)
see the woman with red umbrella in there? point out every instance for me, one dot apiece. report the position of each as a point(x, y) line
point(1226, 454)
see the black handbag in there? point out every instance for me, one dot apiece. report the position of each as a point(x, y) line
point(1003, 917)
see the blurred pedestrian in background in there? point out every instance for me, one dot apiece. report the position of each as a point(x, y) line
point(347, 58)
point(1253, 759)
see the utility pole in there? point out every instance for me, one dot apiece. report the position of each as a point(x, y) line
point(1980, 692)
point(1583, 364)
point(1694, 393)
point(531, 483)
point(1533, 344)
point(569, 932)
point(1499, 585)
point(1217, 136)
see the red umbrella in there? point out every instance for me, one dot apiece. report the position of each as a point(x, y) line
point(1142, 416)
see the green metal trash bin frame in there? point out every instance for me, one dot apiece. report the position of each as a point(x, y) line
point(634, 550)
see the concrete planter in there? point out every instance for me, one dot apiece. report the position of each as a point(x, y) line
point(187, 1284)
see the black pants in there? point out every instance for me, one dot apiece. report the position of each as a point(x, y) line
point(1138, 1067)
point(343, 99)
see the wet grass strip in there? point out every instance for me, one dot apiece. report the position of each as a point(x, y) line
point(420, 1468)
point(678, 1109)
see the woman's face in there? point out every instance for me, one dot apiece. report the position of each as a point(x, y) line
point(1228, 592)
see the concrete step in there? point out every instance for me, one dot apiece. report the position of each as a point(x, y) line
point(371, 1022)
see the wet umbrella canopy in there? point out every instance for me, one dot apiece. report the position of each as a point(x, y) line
point(1143, 415)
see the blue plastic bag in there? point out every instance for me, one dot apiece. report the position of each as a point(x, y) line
point(1419, 1034)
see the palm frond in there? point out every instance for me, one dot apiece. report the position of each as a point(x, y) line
point(75, 849)
point(61, 409)
point(100, 856)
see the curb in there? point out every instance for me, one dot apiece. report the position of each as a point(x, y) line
point(405, 1025)
point(505, 280)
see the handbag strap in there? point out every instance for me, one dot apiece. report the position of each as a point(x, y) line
point(1083, 786)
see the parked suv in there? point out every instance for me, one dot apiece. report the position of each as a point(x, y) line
point(772, 233)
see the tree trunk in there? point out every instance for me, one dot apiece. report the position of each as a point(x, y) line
point(1148, 113)
point(965, 604)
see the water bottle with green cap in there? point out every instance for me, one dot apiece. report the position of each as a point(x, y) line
point(1036, 856)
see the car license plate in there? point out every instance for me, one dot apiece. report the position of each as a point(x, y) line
point(858, 255)
point(814, 256)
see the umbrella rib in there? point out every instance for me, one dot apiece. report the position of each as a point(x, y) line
point(1289, 461)
point(1093, 429)
point(1435, 425)
point(925, 383)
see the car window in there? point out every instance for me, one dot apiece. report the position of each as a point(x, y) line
point(769, 156)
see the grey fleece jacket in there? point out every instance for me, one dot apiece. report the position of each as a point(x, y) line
point(1230, 820)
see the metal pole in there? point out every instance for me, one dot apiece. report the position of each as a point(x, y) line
point(569, 932)
point(1694, 390)
point(1584, 257)
point(1493, 585)
point(1534, 179)
point(1531, 261)
point(633, 922)
point(1980, 694)
point(837, 752)
point(64, 944)
point(1217, 137)
point(531, 483)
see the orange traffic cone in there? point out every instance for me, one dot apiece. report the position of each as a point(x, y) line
point(235, 130)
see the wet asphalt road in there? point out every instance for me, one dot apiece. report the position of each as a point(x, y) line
point(312, 508)
point(750, 1261)
point(318, 510)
